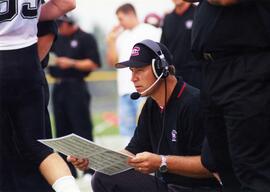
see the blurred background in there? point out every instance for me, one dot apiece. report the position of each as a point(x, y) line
point(98, 17)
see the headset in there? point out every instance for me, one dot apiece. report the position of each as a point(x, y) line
point(159, 65)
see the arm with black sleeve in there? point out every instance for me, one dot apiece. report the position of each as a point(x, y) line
point(191, 125)
point(61, 181)
point(47, 34)
point(140, 141)
point(147, 161)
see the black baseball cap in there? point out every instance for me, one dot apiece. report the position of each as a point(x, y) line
point(141, 55)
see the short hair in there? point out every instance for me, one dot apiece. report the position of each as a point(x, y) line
point(171, 70)
point(126, 8)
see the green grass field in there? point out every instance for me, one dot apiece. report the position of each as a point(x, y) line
point(102, 85)
point(103, 126)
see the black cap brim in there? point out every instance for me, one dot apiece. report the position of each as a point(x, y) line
point(133, 64)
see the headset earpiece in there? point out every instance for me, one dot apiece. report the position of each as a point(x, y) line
point(157, 67)
point(166, 71)
point(160, 66)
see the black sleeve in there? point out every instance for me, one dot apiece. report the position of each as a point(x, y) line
point(44, 28)
point(206, 157)
point(91, 49)
point(47, 27)
point(193, 126)
point(140, 141)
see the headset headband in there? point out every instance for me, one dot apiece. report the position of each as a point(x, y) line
point(154, 47)
point(160, 65)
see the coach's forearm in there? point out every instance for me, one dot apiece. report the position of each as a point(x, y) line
point(189, 166)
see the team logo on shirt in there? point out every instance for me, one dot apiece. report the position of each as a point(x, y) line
point(74, 43)
point(174, 135)
point(189, 24)
point(135, 51)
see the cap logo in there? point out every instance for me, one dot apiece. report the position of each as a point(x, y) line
point(135, 51)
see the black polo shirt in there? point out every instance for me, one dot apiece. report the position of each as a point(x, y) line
point(183, 131)
point(176, 35)
point(242, 27)
point(80, 45)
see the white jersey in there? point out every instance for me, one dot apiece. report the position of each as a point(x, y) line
point(18, 23)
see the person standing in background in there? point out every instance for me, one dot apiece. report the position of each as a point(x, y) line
point(232, 39)
point(76, 57)
point(120, 42)
point(176, 35)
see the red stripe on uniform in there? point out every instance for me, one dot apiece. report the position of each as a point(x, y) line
point(181, 91)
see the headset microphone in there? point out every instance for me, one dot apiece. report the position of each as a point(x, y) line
point(137, 95)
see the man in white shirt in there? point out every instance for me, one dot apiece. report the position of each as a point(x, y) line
point(120, 42)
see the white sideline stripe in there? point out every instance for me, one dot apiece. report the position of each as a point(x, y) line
point(102, 126)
